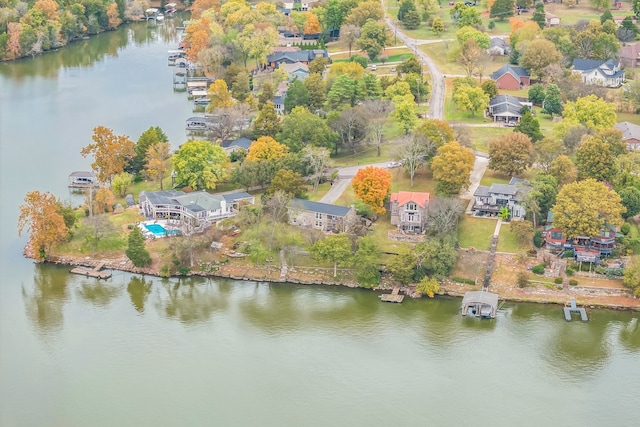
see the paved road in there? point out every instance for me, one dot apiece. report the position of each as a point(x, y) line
point(345, 175)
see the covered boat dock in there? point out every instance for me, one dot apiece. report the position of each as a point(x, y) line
point(480, 304)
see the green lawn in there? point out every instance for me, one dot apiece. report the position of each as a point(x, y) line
point(393, 55)
point(422, 181)
point(476, 232)
point(322, 190)
point(452, 113)
point(507, 241)
point(493, 177)
point(379, 231)
point(366, 154)
point(482, 136)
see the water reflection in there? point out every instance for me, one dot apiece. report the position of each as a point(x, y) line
point(85, 53)
point(192, 300)
point(99, 292)
point(139, 290)
point(45, 302)
point(630, 335)
point(578, 349)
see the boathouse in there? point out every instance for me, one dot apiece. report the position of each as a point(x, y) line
point(480, 304)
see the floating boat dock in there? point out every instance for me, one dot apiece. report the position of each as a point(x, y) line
point(94, 272)
point(480, 304)
point(573, 308)
point(80, 179)
point(394, 296)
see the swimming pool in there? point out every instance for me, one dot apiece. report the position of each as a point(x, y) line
point(159, 231)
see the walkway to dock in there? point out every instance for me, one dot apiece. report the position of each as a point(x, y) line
point(394, 296)
point(573, 308)
point(94, 272)
point(492, 256)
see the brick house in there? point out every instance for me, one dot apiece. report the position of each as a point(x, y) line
point(511, 77)
point(322, 216)
point(630, 135)
point(630, 55)
point(409, 211)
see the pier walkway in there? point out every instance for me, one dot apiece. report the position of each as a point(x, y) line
point(394, 296)
point(94, 272)
point(573, 308)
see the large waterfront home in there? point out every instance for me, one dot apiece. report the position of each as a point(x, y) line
point(489, 200)
point(586, 248)
point(323, 216)
point(196, 206)
point(409, 211)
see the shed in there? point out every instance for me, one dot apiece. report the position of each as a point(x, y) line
point(129, 200)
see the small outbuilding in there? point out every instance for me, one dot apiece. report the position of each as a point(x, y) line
point(480, 304)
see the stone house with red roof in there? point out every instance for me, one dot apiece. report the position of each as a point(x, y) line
point(409, 211)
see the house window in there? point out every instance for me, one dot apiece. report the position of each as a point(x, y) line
point(318, 215)
point(318, 224)
point(411, 217)
point(410, 207)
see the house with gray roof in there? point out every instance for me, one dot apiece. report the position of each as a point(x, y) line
point(194, 207)
point(489, 200)
point(231, 145)
point(506, 108)
point(322, 216)
point(599, 73)
point(497, 46)
point(630, 135)
point(290, 56)
point(297, 70)
point(511, 77)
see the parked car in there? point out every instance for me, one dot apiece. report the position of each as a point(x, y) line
point(394, 164)
point(374, 67)
point(469, 3)
point(510, 124)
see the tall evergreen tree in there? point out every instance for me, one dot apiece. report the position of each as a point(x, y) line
point(136, 251)
point(502, 9)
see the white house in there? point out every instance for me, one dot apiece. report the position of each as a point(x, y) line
point(490, 200)
point(302, 5)
point(599, 73)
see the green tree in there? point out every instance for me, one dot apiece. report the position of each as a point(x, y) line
point(373, 38)
point(318, 65)
point(606, 16)
point(539, 17)
point(630, 199)
point(501, 9)
point(544, 191)
point(297, 96)
point(241, 87)
point(591, 111)
point(302, 128)
point(511, 154)
point(537, 94)
point(539, 54)
point(471, 99)
point(595, 158)
point(452, 168)
point(121, 183)
point(631, 278)
point(437, 26)
point(136, 250)
point(529, 125)
point(149, 137)
point(266, 95)
point(290, 183)
point(469, 33)
point(200, 164)
point(409, 66)
point(366, 262)
point(369, 87)
point(411, 20)
point(552, 103)
point(405, 112)
point(636, 8)
point(406, 6)
point(344, 92)
point(436, 256)
point(583, 207)
point(317, 89)
point(335, 249)
point(268, 121)
point(402, 266)
point(490, 88)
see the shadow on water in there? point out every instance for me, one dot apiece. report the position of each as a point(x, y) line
point(139, 289)
point(192, 300)
point(99, 292)
point(87, 52)
point(44, 303)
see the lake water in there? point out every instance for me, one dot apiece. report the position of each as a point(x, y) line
point(140, 351)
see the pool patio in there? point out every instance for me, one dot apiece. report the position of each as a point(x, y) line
point(170, 227)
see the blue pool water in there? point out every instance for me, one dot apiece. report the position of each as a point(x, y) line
point(158, 230)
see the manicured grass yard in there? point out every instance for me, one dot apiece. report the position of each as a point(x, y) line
point(507, 241)
point(482, 136)
point(493, 177)
point(322, 190)
point(367, 154)
point(476, 232)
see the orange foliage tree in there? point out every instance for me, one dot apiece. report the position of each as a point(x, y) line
point(372, 185)
point(197, 38)
point(13, 49)
point(113, 16)
point(111, 153)
point(200, 6)
point(312, 25)
point(516, 23)
point(49, 8)
point(266, 148)
point(41, 217)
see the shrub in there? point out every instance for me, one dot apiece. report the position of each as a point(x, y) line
point(463, 280)
point(537, 239)
point(573, 282)
point(183, 270)
point(570, 271)
point(538, 269)
point(165, 271)
point(522, 279)
point(569, 254)
point(626, 228)
point(558, 280)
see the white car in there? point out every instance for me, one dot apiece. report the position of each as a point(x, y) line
point(394, 165)
point(374, 67)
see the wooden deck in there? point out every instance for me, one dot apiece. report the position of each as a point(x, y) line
point(394, 296)
point(573, 308)
point(94, 272)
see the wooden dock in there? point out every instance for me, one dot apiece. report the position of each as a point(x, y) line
point(94, 272)
point(394, 296)
point(573, 308)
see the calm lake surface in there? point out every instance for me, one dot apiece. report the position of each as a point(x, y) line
point(135, 351)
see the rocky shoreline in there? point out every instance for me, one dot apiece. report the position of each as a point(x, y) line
point(590, 298)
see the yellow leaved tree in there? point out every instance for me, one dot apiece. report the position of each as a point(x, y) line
point(266, 148)
point(40, 216)
point(111, 153)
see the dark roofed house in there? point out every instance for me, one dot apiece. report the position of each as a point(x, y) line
point(506, 108)
point(489, 200)
point(323, 216)
point(292, 56)
point(511, 77)
point(630, 135)
point(231, 145)
point(600, 73)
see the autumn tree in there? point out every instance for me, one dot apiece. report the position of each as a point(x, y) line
point(377, 111)
point(428, 286)
point(591, 111)
point(266, 148)
point(467, 55)
point(414, 153)
point(148, 138)
point(335, 249)
point(111, 153)
point(538, 55)
point(365, 11)
point(595, 158)
point(372, 186)
point(583, 207)
point(437, 26)
point(157, 159)
point(219, 95)
point(196, 37)
point(439, 132)
point(317, 89)
point(316, 159)
point(311, 25)
point(511, 154)
point(563, 170)
point(136, 250)
point(452, 168)
point(405, 112)
point(200, 164)
point(289, 182)
point(471, 99)
point(546, 151)
point(40, 217)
